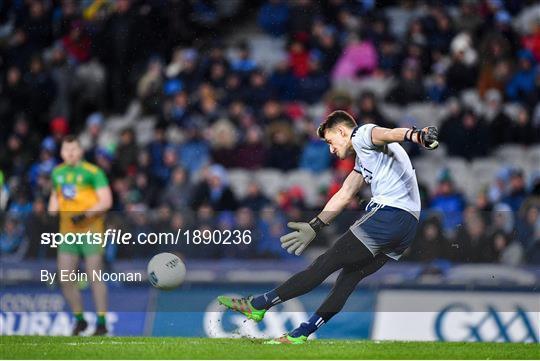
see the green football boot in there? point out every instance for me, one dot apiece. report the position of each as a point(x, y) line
point(242, 305)
point(287, 340)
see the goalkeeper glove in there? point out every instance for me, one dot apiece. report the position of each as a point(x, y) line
point(427, 137)
point(304, 233)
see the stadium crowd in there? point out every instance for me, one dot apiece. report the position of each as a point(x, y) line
point(72, 66)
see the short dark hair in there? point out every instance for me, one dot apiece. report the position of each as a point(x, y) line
point(335, 118)
point(70, 138)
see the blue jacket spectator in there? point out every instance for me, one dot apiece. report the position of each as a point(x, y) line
point(194, 154)
point(522, 83)
point(448, 202)
point(272, 226)
point(273, 17)
point(315, 156)
point(317, 81)
point(283, 83)
point(516, 192)
point(12, 239)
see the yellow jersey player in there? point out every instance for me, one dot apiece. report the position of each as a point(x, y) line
point(81, 195)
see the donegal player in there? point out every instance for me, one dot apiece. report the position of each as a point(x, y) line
point(81, 195)
point(384, 232)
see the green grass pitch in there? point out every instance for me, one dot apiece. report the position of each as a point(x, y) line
point(43, 347)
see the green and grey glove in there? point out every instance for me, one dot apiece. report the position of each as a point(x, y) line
point(304, 233)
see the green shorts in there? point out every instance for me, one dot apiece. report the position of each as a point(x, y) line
point(83, 248)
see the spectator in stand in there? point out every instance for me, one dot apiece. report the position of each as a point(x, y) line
point(145, 188)
point(15, 158)
point(63, 74)
point(215, 55)
point(500, 249)
point(430, 243)
point(526, 225)
point(378, 29)
point(531, 40)
point(359, 59)
point(126, 152)
point(178, 191)
point(273, 17)
point(522, 84)
point(298, 58)
point(41, 91)
point(503, 25)
point(176, 108)
point(368, 107)
point(522, 130)
point(184, 67)
point(283, 152)
point(89, 139)
point(119, 51)
point(244, 221)
point(462, 73)
point(301, 16)
point(532, 253)
point(254, 198)
point(469, 238)
point(251, 152)
point(77, 43)
point(325, 42)
point(272, 225)
point(502, 219)
point(533, 101)
point(283, 82)
point(214, 190)
point(194, 153)
point(409, 88)
point(14, 92)
point(239, 114)
point(315, 156)
point(469, 19)
point(516, 190)
point(13, 240)
point(273, 112)
point(466, 136)
point(37, 25)
point(440, 36)
point(223, 139)
point(258, 91)
point(162, 169)
point(218, 76)
point(438, 91)
point(37, 223)
point(21, 206)
point(316, 82)
point(388, 56)
point(26, 134)
point(243, 64)
point(157, 147)
point(150, 85)
point(499, 123)
point(46, 162)
point(495, 69)
point(448, 202)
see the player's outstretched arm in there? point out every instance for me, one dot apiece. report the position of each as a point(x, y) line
point(427, 137)
point(305, 232)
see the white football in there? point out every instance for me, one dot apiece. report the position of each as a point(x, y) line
point(166, 271)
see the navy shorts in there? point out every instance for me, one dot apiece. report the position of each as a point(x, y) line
point(385, 229)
